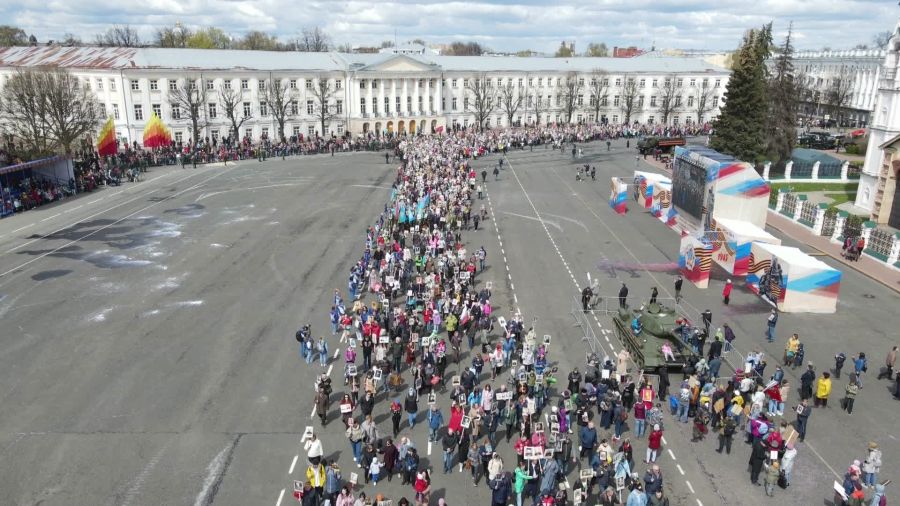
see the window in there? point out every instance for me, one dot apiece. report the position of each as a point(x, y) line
point(112, 85)
point(580, 100)
point(295, 107)
point(157, 110)
point(521, 80)
point(643, 83)
point(580, 118)
point(453, 83)
point(99, 84)
point(227, 84)
point(210, 84)
point(309, 107)
point(246, 109)
point(374, 83)
point(308, 84)
point(154, 85)
point(340, 129)
point(311, 131)
point(653, 101)
point(540, 81)
point(262, 84)
point(466, 103)
point(605, 81)
point(339, 107)
point(717, 83)
point(616, 101)
point(453, 104)
point(338, 85)
point(690, 102)
point(374, 105)
point(135, 85)
point(679, 82)
point(466, 122)
point(715, 101)
point(678, 101)
point(245, 84)
point(397, 103)
point(214, 134)
point(465, 83)
point(705, 83)
point(618, 81)
point(173, 85)
point(675, 120)
point(362, 84)
point(193, 84)
point(263, 109)
point(178, 137)
point(212, 110)
point(176, 112)
point(362, 106)
point(420, 103)
point(409, 103)
point(651, 119)
point(693, 82)
point(653, 83)
point(295, 131)
point(641, 101)
point(387, 105)
point(293, 84)
point(431, 103)
point(604, 102)
point(115, 111)
point(138, 112)
point(580, 81)
point(615, 118)
point(530, 82)
point(265, 133)
point(248, 133)
point(559, 81)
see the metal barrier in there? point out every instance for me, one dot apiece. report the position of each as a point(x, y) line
point(808, 214)
point(789, 204)
point(879, 244)
point(587, 330)
point(828, 224)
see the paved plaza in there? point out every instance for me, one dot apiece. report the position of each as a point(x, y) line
point(148, 331)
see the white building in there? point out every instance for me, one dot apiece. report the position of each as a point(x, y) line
point(878, 178)
point(819, 71)
point(377, 93)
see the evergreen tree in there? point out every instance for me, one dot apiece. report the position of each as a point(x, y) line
point(740, 130)
point(782, 131)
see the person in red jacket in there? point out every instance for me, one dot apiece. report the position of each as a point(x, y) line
point(654, 442)
point(726, 292)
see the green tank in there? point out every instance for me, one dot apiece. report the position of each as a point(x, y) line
point(657, 325)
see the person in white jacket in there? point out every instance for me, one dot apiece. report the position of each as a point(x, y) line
point(313, 447)
point(872, 465)
point(787, 462)
point(495, 467)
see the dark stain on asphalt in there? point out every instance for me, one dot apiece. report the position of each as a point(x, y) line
point(43, 275)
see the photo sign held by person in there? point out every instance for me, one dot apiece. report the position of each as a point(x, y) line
point(532, 453)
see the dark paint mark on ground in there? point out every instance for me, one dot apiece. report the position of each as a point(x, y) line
point(44, 275)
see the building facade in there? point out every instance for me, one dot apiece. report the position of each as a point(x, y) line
point(879, 173)
point(367, 93)
point(838, 86)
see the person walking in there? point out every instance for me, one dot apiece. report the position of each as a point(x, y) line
point(435, 420)
point(823, 390)
point(757, 459)
point(771, 479)
point(787, 462)
point(653, 294)
point(449, 443)
point(726, 292)
point(726, 434)
point(771, 321)
point(872, 465)
point(411, 405)
point(706, 317)
point(851, 390)
point(803, 413)
point(356, 436)
point(679, 281)
point(522, 478)
point(806, 382)
point(654, 443)
point(889, 362)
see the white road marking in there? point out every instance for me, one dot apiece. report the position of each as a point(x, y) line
point(672, 454)
point(330, 367)
point(699, 503)
point(371, 186)
point(294, 463)
point(690, 486)
point(50, 217)
point(680, 470)
point(429, 447)
point(664, 440)
point(212, 194)
point(22, 228)
point(77, 207)
point(94, 201)
point(336, 352)
point(280, 497)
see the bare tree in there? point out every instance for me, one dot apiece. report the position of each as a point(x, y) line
point(510, 101)
point(323, 93)
point(540, 105)
point(176, 36)
point(190, 96)
point(119, 36)
point(49, 109)
point(481, 98)
point(598, 88)
point(232, 102)
point(881, 39)
point(314, 40)
point(838, 94)
point(631, 98)
point(70, 40)
point(669, 98)
point(464, 49)
point(279, 98)
point(256, 40)
point(706, 102)
point(23, 109)
point(571, 95)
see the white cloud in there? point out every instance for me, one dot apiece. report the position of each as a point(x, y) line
point(500, 24)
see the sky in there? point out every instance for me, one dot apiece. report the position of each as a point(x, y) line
point(502, 25)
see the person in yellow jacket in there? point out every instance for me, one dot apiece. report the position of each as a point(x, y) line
point(790, 349)
point(316, 477)
point(823, 390)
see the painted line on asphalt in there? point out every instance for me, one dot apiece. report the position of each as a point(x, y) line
point(336, 353)
point(503, 253)
point(330, 367)
point(22, 228)
point(699, 503)
point(95, 201)
point(294, 463)
point(690, 486)
point(664, 440)
point(429, 447)
point(50, 217)
point(77, 207)
point(671, 454)
point(680, 470)
point(280, 497)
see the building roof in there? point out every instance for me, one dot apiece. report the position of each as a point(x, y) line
point(841, 54)
point(103, 58)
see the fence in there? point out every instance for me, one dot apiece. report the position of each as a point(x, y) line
point(879, 244)
point(808, 214)
point(852, 228)
point(828, 223)
point(802, 170)
point(790, 205)
point(830, 170)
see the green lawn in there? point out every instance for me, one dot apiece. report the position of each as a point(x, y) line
point(840, 198)
point(848, 187)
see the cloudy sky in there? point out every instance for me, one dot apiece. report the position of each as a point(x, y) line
point(504, 25)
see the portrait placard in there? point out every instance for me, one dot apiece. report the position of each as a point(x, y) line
point(513, 364)
point(455, 380)
point(432, 398)
point(567, 404)
point(548, 453)
point(466, 422)
point(503, 396)
point(773, 455)
point(719, 405)
point(384, 339)
point(585, 474)
point(351, 369)
point(547, 339)
point(426, 341)
point(539, 427)
point(527, 349)
point(298, 486)
point(532, 453)
point(463, 275)
point(502, 322)
point(620, 483)
point(554, 428)
point(346, 408)
point(489, 285)
point(604, 373)
point(307, 433)
point(538, 378)
point(353, 342)
point(377, 374)
point(354, 478)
